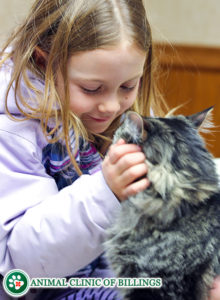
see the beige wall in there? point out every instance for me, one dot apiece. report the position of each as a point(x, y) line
point(194, 22)
point(178, 21)
point(11, 13)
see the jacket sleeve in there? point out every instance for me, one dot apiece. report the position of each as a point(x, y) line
point(46, 232)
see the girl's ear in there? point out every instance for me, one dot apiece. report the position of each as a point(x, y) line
point(40, 57)
point(200, 118)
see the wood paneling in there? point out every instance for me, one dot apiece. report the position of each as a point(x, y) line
point(191, 76)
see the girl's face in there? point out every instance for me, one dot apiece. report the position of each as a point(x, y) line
point(103, 83)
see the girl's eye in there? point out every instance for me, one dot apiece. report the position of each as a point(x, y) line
point(91, 91)
point(126, 88)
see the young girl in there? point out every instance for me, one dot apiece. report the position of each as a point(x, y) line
point(67, 76)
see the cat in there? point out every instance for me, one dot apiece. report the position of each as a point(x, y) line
point(171, 230)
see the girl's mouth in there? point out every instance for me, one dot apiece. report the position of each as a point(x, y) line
point(99, 120)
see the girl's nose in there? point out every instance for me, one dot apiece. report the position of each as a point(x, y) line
point(110, 105)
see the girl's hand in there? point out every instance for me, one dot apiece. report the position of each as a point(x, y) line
point(215, 290)
point(123, 164)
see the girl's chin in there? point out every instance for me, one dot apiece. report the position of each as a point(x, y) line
point(97, 128)
point(97, 131)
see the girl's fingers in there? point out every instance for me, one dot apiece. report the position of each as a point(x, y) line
point(123, 167)
point(120, 142)
point(133, 173)
point(129, 160)
point(215, 290)
point(135, 188)
point(117, 151)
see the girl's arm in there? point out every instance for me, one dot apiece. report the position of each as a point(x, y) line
point(42, 231)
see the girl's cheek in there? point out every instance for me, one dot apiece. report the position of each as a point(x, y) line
point(128, 101)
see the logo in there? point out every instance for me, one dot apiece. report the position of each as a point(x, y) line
point(16, 283)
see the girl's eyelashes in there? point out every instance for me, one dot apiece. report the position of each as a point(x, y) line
point(126, 88)
point(129, 88)
point(91, 91)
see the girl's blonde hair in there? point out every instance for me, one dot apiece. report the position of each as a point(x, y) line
point(62, 28)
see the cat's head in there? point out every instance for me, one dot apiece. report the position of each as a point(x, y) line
point(179, 165)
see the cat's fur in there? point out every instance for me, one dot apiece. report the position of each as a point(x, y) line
point(172, 229)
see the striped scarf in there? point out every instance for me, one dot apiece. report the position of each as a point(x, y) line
point(58, 165)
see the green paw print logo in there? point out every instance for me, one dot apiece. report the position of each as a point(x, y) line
point(16, 283)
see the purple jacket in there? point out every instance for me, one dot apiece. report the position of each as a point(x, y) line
point(46, 232)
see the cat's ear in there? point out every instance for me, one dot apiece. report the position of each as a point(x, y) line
point(202, 120)
point(138, 121)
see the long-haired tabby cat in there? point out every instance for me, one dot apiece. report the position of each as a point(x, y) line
point(172, 229)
